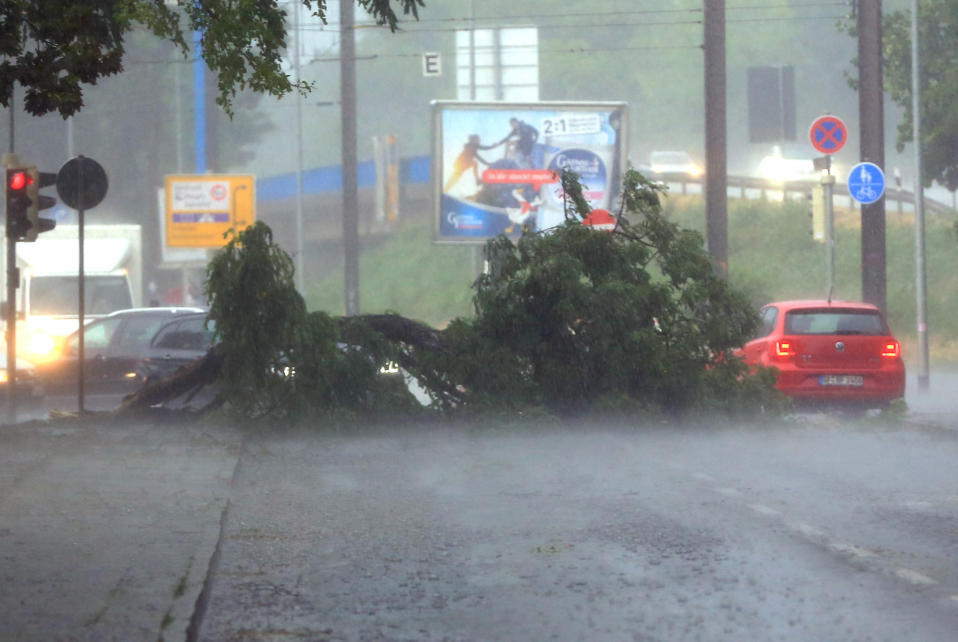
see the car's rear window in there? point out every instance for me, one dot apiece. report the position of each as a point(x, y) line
point(189, 334)
point(834, 321)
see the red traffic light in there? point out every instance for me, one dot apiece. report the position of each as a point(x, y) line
point(19, 180)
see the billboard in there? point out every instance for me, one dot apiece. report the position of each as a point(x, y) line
point(200, 208)
point(495, 165)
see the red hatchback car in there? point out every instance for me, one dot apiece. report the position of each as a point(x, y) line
point(829, 353)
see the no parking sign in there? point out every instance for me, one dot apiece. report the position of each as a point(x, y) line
point(828, 134)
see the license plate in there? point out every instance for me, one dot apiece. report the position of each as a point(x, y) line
point(841, 380)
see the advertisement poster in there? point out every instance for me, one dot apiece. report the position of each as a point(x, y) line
point(495, 165)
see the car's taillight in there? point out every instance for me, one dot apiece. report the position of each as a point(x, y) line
point(784, 349)
point(891, 349)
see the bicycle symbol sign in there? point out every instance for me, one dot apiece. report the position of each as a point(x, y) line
point(866, 183)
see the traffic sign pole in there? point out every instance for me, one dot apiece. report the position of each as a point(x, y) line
point(828, 134)
point(828, 184)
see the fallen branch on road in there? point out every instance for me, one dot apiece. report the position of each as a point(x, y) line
point(188, 380)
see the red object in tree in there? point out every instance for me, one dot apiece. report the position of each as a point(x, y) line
point(600, 220)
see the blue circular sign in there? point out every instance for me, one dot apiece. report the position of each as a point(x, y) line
point(866, 183)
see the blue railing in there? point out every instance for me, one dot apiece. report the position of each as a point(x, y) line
point(330, 179)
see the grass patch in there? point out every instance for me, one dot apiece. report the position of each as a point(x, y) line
point(408, 274)
point(772, 256)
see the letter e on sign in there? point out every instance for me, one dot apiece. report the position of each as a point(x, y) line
point(431, 64)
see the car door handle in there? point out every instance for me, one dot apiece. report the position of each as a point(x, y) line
point(100, 357)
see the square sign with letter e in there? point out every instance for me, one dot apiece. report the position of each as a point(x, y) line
point(431, 64)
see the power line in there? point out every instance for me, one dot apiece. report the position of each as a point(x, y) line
point(762, 7)
point(577, 25)
point(564, 50)
point(676, 23)
point(578, 14)
point(767, 19)
point(535, 16)
point(591, 14)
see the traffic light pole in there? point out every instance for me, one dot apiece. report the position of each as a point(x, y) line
point(81, 310)
point(11, 298)
point(12, 282)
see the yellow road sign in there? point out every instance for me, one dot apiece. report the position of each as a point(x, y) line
point(201, 208)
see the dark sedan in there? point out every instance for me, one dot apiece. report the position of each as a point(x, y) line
point(113, 346)
point(175, 344)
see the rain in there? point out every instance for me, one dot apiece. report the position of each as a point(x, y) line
point(306, 336)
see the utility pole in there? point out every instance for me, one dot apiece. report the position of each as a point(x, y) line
point(872, 127)
point(921, 284)
point(716, 159)
point(300, 259)
point(347, 80)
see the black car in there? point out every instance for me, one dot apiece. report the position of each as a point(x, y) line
point(175, 344)
point(112, 346)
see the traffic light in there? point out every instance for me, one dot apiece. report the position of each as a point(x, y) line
point(18, 202)
point(39, 180)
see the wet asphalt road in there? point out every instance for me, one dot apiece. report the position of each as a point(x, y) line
point(810, 531)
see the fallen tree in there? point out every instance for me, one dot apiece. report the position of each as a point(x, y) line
point(568, 320)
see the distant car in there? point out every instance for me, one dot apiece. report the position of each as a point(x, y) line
point(836, 353)
point(112, 347)
point(674, 162)
point(176, 343)
point(789, 163)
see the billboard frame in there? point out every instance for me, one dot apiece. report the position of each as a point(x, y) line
point(615, 158)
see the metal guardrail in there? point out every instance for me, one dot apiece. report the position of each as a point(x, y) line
point(743, 183)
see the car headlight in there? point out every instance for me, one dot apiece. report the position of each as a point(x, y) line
point(3, 376)
point(41, 345)
point(772, 169)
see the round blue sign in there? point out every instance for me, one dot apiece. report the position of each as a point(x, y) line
point(866, 183)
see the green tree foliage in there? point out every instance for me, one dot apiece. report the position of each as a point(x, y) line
point(258, 315)
point(54, 47)
point(574, 317)
point(938, 42)
point(570, 320)
point(273, 357)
